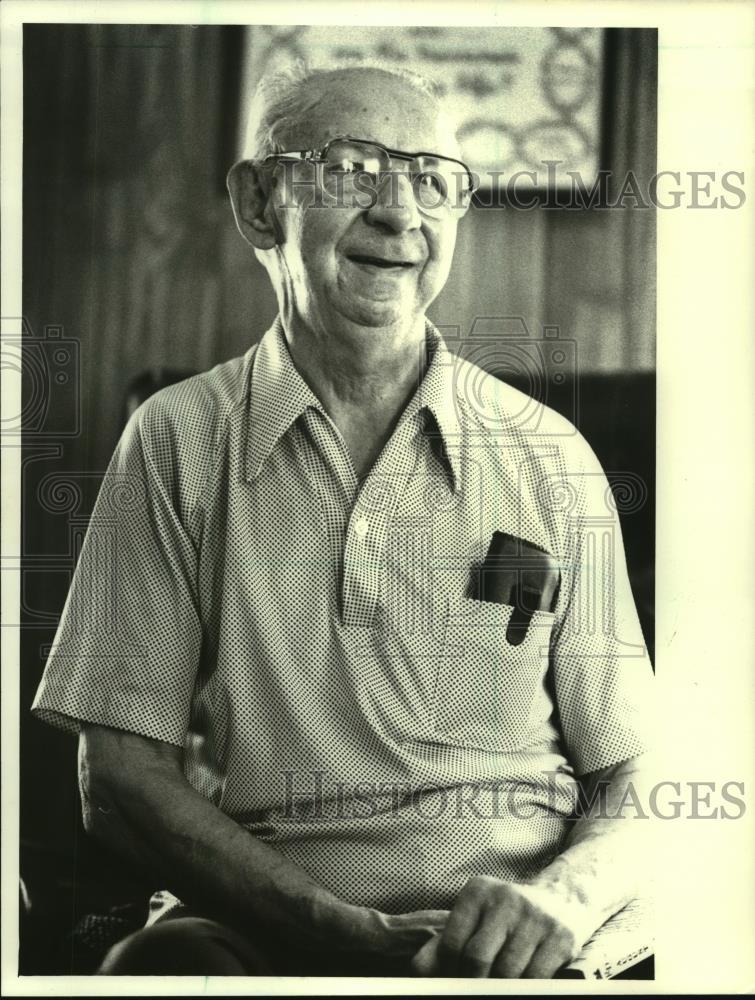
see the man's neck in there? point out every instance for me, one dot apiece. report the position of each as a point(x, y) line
point(364, 382)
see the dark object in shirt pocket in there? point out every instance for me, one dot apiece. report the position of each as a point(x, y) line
point(518, 573)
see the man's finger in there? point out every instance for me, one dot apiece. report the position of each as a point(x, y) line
point(483, 947)
point(517, 950)
point(430, 919)
point(425, 962)
point(548, 957)
point(460, 926)
point(403, 933)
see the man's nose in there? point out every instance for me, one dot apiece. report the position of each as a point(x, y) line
point(395, 204)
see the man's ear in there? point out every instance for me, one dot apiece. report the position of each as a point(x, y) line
point(250, 193)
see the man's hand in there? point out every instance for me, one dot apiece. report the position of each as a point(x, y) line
point(401, 934)
point(507, 930)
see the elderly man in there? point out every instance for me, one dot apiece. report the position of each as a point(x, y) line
point(298, 706)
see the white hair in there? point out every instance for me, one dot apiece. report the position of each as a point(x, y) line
point(285, 97)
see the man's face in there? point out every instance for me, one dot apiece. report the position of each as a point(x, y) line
point(327, 251)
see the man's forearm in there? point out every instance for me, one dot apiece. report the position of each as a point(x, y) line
point(137, 800)
point(604, 864)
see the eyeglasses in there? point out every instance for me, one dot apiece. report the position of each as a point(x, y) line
point(353, 167)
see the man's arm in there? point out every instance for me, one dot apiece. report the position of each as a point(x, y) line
point(137, 801)
point(530, 930)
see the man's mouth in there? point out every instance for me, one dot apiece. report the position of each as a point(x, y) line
point(384, 262)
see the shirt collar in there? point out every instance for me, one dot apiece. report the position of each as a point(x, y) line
point(437, 405)
point(279, 396)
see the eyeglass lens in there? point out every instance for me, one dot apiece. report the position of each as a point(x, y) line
point(439, 184)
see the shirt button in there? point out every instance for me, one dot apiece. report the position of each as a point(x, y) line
point(361, 527)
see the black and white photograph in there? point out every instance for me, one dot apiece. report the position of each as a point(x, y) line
point(346, 582)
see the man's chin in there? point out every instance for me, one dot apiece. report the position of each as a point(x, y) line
point(374, 314)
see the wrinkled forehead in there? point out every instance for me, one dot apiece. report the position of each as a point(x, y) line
point(377, 106)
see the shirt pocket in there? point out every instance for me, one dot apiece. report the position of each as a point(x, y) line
point(489, 693)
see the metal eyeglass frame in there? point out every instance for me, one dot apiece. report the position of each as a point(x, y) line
point(319, 156)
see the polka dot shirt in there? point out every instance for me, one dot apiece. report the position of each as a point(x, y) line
point(309, 639)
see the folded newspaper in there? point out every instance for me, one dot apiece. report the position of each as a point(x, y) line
point(623, 941)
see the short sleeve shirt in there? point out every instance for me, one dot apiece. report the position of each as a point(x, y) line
point(309, 639)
